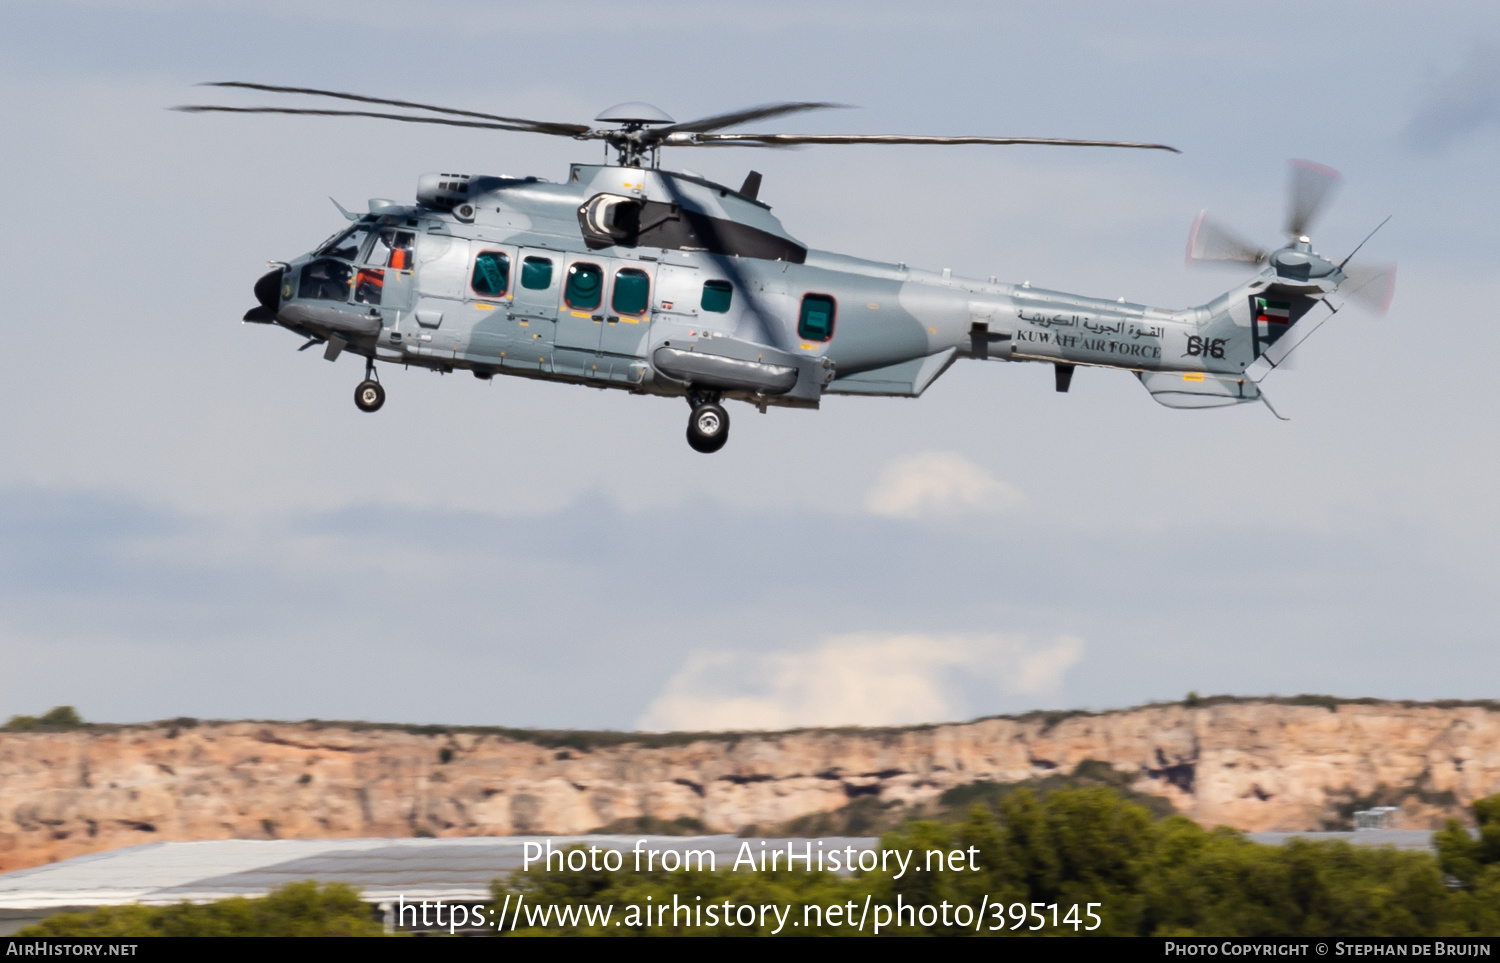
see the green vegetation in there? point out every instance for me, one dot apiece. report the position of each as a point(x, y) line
point(1089, 844)
point(1475, 864)
point(296, 909)
point(56, 719)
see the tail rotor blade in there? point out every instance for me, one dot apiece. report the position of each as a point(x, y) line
point(1211, 241)
point(1311, 187)
point(1371, 286)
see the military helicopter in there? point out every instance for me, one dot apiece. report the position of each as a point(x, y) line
point(630, 276)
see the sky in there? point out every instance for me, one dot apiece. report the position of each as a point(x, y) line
point(195, 520)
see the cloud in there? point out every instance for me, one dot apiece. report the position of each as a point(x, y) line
point(1466, 102)
point(867, 679)
point(939, 483)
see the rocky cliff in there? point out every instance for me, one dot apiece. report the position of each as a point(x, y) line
point(1254, 764)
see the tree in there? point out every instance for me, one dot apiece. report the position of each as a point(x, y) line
point(1475, 864)
point(58, 717)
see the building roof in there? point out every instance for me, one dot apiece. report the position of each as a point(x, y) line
point(449, 869)
point(1399, 838)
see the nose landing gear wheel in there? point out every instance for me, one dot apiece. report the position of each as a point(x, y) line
point(708, 428)
point(369, 396)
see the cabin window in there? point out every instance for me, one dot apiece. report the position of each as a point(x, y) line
point(392, 249)
point(816, 321)
point(491, 278)
point(717, 296)
point(536, 273)
point(585, 288)
point(632, 291)
point(326, 280)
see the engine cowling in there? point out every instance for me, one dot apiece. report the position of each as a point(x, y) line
point(443, 192)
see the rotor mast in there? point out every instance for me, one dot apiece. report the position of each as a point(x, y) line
point(633, 139)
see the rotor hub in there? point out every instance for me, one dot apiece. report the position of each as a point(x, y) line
point(1300, 263)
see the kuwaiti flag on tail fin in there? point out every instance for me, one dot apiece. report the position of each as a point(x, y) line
point(1271, 319)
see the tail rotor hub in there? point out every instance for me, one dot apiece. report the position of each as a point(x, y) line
point(1297, 264)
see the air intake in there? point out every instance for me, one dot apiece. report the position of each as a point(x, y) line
point(442, 192)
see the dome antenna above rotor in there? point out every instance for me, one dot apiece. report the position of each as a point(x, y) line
point(634, 114)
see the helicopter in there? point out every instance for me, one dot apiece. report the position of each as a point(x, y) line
point(630, 276)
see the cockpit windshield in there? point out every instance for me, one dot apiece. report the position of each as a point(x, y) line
point(348, 244)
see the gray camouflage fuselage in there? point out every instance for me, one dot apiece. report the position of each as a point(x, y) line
point(669, 250)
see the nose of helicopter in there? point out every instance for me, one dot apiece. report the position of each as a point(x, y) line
point(268, 293)
point(268, 289)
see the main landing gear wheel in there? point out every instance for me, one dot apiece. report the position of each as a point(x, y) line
point(369, 396)
point(708, 428)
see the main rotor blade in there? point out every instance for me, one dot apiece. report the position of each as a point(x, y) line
point(1310, 188)
point(408, 118)
point(545, 127)
point(718, 121)
point(1210, 241)
point(791, 140)
point(1371, 286)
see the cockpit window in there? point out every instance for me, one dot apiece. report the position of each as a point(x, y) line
point(491, 278)
point(585, 288)
point(717, 296)
point(536, 273)
point(816, 321)
point(632, 291)
point(325, 279)
point(347, 244)
point(392, 249)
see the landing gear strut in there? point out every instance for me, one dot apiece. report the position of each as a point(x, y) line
point(368, 395)
point(708, 428)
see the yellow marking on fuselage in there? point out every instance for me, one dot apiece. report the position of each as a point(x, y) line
point(484, 307)
point(1192, 376)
